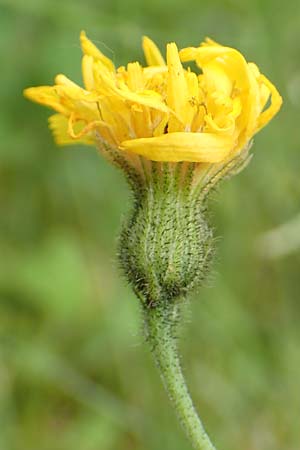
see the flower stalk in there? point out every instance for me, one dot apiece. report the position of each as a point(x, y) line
point(160, 324)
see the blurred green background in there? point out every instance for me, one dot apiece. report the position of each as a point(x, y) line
point(74, 371)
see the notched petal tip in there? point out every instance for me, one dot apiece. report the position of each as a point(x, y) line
point(36, 93)
point(62, 80)
point(208, 41)
point(188, 54)
point(27, 93)
point(44, 95)
point(88, 48)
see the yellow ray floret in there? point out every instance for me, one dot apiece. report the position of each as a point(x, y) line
point(152, 53)
point(180, 146)
point(90, 49)
point(164, 111)
point(177, 94)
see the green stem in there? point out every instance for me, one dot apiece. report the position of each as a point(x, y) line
point(160, 327)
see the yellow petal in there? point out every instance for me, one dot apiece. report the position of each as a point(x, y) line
point(152, 53)
point(160, 128)
point(226, 128)
point(88, 72)
point(188, 54)
point(65, 100)
point(145, 98)
point(220, 58)
point(150, 72)
point(117, 115)
point(177, 85)
point(177, 95)
point(276, 102)
point(192, 103)
point(209, 41)
point(216, 78)
point(180, 146)
point(243, 80)
point(250, 99)
point(232, 61)
point(141, 120)
point(254, 69)
point(198, 121)
point(62, 80)
point(84, 128)
point(90, 49)
point(192, 85)
point(58, 124)
point(46, 95)
point(135, 79)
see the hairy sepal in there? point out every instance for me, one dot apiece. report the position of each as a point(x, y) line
point(166, 246)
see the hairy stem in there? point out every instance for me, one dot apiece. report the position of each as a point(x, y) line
point(160, 327)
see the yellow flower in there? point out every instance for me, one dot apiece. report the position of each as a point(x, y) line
point(163, 112)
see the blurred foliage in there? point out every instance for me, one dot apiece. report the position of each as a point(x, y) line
point(74, 373)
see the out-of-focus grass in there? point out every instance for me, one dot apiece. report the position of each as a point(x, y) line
point(73, 371)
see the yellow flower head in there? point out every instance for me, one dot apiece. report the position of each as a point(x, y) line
point(162, 111)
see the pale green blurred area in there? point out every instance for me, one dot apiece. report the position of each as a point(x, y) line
point(74, 371)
